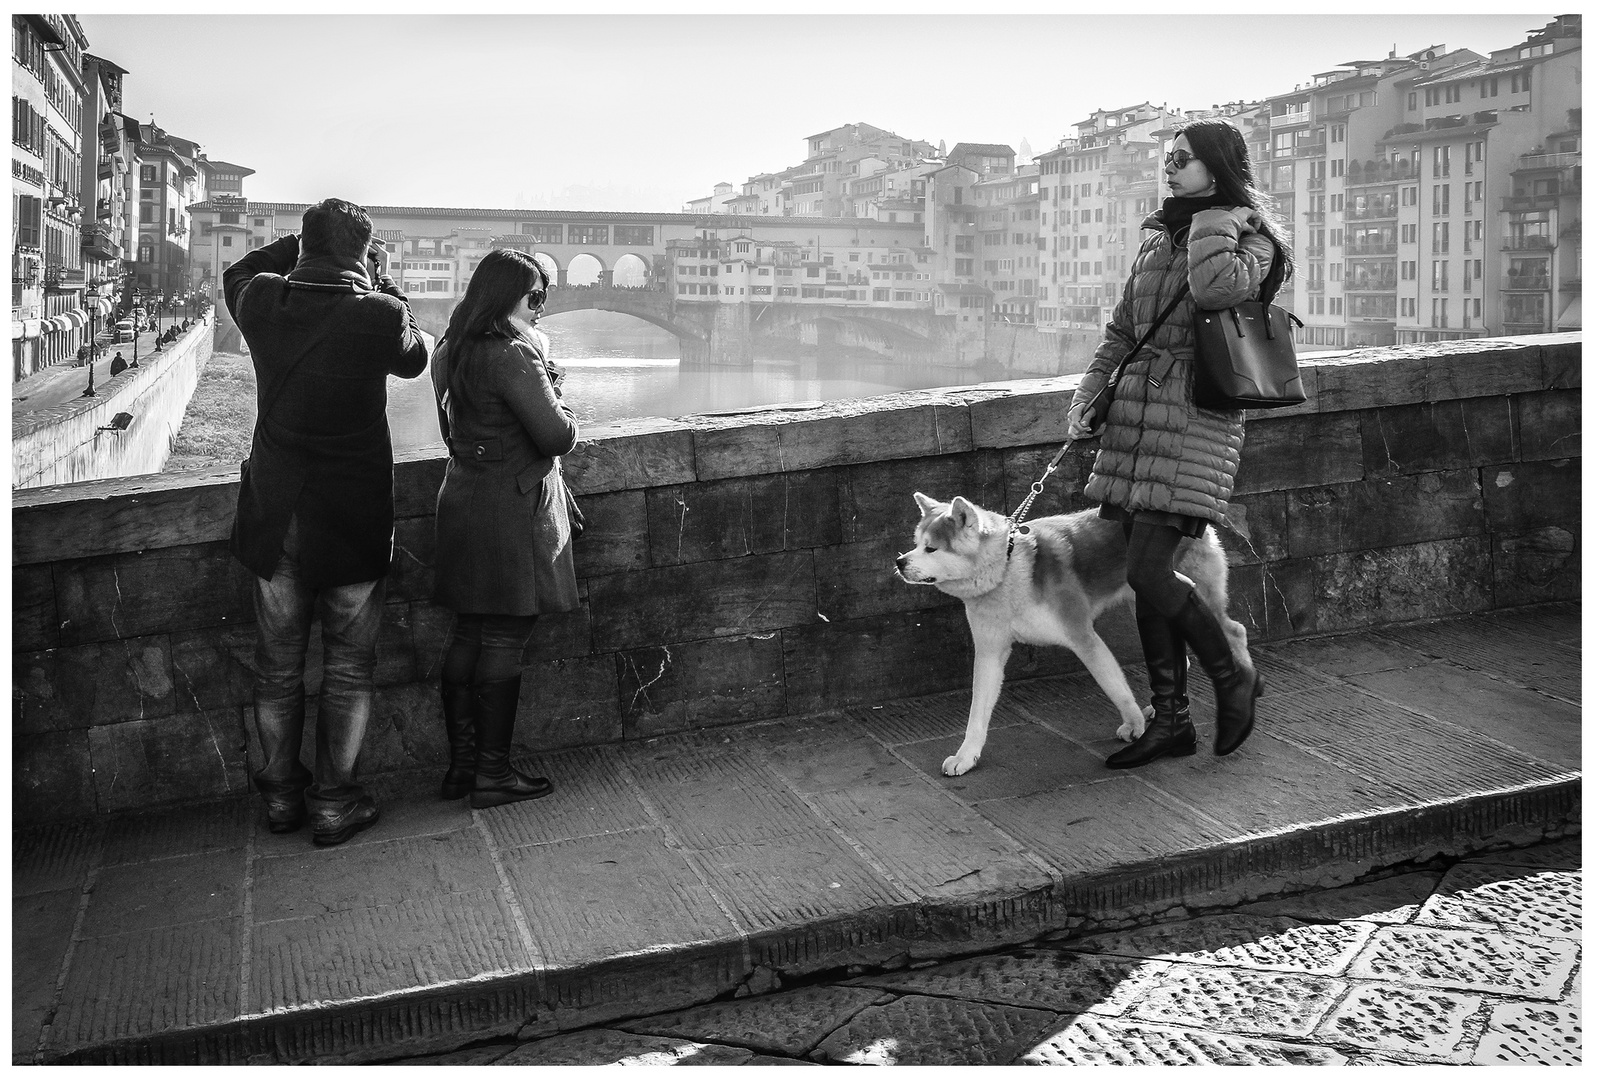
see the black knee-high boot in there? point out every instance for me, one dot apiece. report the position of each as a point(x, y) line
point(1236, 691)
point(1170, 733)
point(457, 699)
point(496, 782)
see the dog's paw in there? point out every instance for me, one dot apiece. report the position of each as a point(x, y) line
point(957, 764)
point(1131, 732)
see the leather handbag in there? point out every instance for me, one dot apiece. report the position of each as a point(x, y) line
point(1244, 357)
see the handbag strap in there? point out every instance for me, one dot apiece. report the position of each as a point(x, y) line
point(1136, 349)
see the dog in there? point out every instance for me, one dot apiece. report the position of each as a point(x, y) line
point(1045, 585)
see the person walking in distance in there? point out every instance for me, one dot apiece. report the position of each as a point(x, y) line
point(326, 327)
point(503, 551)
point(1166, 467)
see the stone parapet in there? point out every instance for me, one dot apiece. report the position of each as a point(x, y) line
point(739, 566)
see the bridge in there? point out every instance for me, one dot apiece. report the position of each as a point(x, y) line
point(712, 331)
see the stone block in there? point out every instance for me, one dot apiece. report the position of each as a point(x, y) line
point(1063, 488)
point(700, 683)
point(33, 608)
point(1258, 528)
point(406, 730)
point(866, 432)
point(1468, 960)
point(1255, 598)
point(1289, 452)
point(1035, 412)
point(184, 757)
point(1438, 372)
point(411, 571)
point(1531, 495)
point(88, 685)
point(742, 516)
point(213, 668)
point(183, 889)
point(430, 636)
point(876, 500)
point(79, 521)
point(919, 1030)
point(874, 659)
point(1549, 425)
point(700, 600)
point(857, 580)
point(1383, 513)
point(639, 459)
point(571, 702)
point(1562, 361)
point(130, 594)
point(560, 635)
point(1346, 590)
point(51, 776)
point(787, 1023)
point(41, 931)
point(416, 484)
point(1545, 564)
point(615, 534)
point(1430, 437)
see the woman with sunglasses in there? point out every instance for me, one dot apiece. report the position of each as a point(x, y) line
point(1165, 468)
point(503, 552)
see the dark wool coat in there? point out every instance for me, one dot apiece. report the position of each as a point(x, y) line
point(1160, 451)
point(503, 532)
point(323, 342)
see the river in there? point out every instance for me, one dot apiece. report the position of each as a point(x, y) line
point(622, 370)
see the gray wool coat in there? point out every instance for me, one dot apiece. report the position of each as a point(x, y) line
point(1160, 451)
point(503, 531)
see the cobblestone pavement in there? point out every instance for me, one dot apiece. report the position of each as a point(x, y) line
point(1471, 963)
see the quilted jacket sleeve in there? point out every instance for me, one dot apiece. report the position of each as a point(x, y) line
point(1118, 340)
point(1227, 257)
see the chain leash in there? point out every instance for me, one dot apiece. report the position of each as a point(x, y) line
point(1036, 490)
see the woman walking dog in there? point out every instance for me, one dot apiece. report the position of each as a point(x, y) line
point(1165, 468)
point(504, 534)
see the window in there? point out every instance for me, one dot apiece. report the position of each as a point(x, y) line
point(147, 174)
point(1440, 237)
point(587, 234)
point(29, 215)
point(1335, 133)
point(1407, 196)
point(1407, 271)
point(1338, 167)
point(963, 266)
point(1440, 161)
point(227, 240)
point(1440, 199)
point(639, 234)
point(541, 233)
point(1410, 103)
point(1440, 275)
point(147, 215)
point(1407, 234)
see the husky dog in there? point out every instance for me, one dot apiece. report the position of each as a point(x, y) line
point(1045, 584)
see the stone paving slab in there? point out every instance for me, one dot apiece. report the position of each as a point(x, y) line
point(1266, 942)
point(1096, 1040)
point(664, 873)
point(1395, 899)
point(1556, 855)
point(1405, 1020)
point(1521, 1033)
point(1274, 1004)
point(918, 1030)
point(1535, 663)
point(790, 1023)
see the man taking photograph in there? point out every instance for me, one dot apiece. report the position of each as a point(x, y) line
point(326, 326)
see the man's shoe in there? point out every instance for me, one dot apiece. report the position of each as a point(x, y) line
point(285, 817)
point(329, 828)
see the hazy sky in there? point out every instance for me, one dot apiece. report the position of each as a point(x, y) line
point(643, 112)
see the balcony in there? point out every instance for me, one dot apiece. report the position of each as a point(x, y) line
point(1310, 150)
point(1511, 204)
point(1384, 284)
point(1316, 285)
point(1313, 217)
point(1526, 283)
point(100, 242)
point(1527, 243)
point(62, 277)
point(1316, 252)
point(1381, 213)
point(1357, 250)
point(1529, 162)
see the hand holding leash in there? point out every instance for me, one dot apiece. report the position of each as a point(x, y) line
point(1080, 424)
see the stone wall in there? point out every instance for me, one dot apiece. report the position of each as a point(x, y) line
point(1023, 349)
point(739, 567)
point(64, 443)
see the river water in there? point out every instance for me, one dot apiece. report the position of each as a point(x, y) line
point(628, 371)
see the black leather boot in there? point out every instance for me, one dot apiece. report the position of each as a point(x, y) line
point(1236, 691)
point(496, 783)
point(457, 699)
point(1170, 733)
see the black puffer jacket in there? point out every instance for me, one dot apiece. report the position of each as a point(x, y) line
point(1159, 450)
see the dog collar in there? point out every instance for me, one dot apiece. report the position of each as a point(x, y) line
point(1010, 539)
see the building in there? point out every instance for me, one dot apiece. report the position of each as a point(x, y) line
point(108, 162)
point(1007, 241)
point(1096, 189)
point(169, 183)
point(47, 197)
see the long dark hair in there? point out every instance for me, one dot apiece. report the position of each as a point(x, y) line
point(498, 284)
point(1220, 145)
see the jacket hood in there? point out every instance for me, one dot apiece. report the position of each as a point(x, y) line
point(331, 270)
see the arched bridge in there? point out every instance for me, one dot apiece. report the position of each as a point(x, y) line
point(727, 334)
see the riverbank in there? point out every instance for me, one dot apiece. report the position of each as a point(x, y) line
point(220, 420)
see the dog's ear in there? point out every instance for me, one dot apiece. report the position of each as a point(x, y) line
point(964, 513)
point(924, 503)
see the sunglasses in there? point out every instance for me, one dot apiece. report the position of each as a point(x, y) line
point(535, 299)
point(1179, 159)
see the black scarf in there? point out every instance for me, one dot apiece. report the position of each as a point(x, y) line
point(1177, 214)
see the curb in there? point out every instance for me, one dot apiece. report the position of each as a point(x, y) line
point(534, 1004)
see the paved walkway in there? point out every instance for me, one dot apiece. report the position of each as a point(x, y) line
point(665, 874)
point(67, 380)
point(1474, 963)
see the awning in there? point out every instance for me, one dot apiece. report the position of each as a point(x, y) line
point(1571, 318)
point(31, 327)
point(77, 319)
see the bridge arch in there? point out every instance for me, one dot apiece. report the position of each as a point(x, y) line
point(631, 270)
point(649, 305)
point(580, 267)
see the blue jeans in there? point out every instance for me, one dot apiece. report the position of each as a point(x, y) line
point(350, 615)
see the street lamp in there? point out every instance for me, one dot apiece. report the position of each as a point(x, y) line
point(92, 301)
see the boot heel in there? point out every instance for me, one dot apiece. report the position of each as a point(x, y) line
point(1187, 749)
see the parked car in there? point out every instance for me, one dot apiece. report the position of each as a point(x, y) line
point(125, 330)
